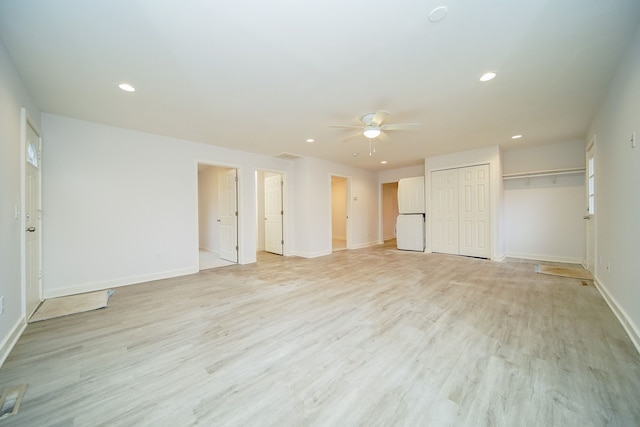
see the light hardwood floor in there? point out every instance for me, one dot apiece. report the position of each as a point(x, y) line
point(369, 337)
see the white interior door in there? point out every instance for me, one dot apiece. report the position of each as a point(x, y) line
point(474, 226)
point(228, 214)
point(590, 176)
point(445, 201)
point(33, 232)
point(273, 214)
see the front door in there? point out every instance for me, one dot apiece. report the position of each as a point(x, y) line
point(273, 214)
point(33, 231)
point(228, 220)
point(590, 211)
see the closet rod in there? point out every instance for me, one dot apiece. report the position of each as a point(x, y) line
point(543, 173)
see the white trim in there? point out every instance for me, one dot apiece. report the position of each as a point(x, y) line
point(547, 258)
point(125, 281)
point(364, 245)
point(11, 339)
point(630, 328)
point(313, 254)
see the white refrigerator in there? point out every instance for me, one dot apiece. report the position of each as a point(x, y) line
point(410, 224)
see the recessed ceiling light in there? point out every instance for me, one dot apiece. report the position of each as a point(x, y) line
point(488, 76)
point(310, 140)
point(438, 14)
point(354, 154)
point(516, 137)
point(384, 162)
point(127, 87)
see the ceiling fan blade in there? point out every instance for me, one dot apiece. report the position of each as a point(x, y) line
point(401, 126)
point(379, 117)
point(346, 126)
point(383, 137)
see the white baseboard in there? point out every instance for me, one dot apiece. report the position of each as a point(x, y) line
point(11, 339)
point(106, 284)
point(499, 258)
point(630, 328)
point(312, 254)
point(547, 258)
point(364, 245)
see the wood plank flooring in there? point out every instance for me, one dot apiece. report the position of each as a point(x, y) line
point(368, 337)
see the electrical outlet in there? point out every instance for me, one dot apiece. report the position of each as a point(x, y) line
point(2, 304)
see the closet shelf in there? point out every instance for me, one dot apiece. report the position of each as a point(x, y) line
point(553, 172)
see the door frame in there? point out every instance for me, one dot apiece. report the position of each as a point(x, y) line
point(239, 206)
point(25, 120)
point(347, 231)
point(591, 254)
point(285, 215)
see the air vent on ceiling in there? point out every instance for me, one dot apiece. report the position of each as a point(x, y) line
point(288, 156)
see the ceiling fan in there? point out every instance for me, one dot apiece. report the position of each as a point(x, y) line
point(373, 126)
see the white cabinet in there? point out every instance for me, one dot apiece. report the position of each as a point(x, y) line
point(460, 209)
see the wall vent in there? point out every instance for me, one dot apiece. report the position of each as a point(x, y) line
point(288, 156)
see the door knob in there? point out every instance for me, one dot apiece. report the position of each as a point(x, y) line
point(586, 217)
point(31, 229)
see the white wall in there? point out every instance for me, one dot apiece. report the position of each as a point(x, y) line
point(395, 175)
point(489, 155)
point(13, 96)
point(313, 206)
point(121, 206)
point(617, 194)
point(543, 215)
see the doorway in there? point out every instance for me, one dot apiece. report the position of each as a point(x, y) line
point(390, 210)
point(270, 212)
point(339, 213)
point(217, 216)
point(32, 218)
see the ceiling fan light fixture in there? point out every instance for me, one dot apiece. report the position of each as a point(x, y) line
point(127, 87)
point(488, 76)
point(371, 132)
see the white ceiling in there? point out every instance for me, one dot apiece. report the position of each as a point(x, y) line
point(263, 76)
